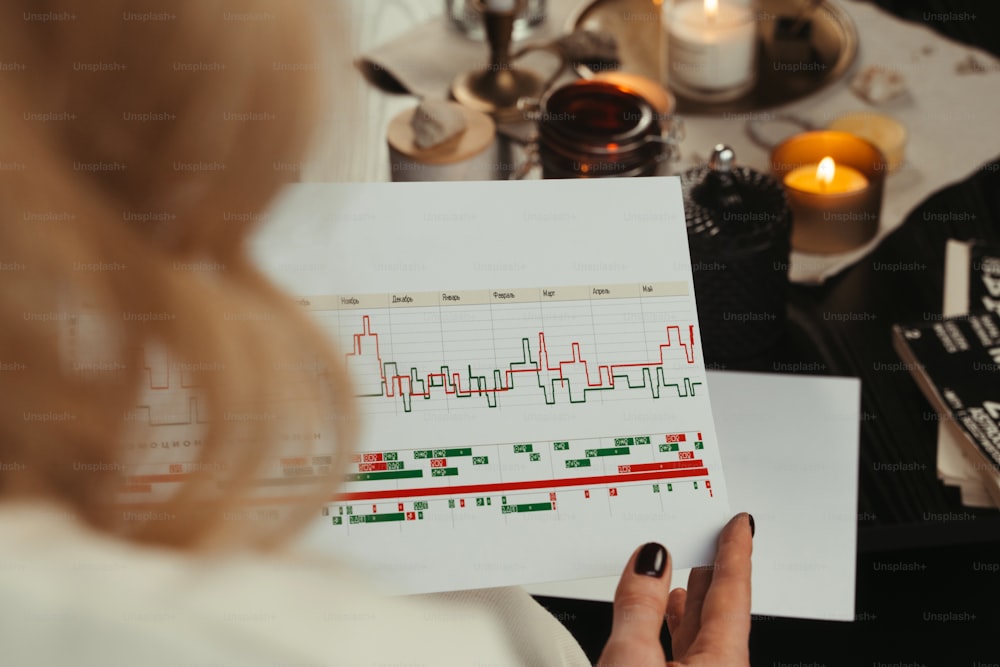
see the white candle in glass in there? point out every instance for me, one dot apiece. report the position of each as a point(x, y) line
point(712, 47)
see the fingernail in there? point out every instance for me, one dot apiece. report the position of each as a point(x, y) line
point(652, 560)
point(753, 526)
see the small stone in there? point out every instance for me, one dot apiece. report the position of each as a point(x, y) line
point(435, 122)
point(971, 65)
point(878, 84)
point(590, 47)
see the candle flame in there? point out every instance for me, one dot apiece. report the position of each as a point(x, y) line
point(826, 170)
point(711, 9)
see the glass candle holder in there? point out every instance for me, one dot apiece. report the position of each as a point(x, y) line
point(711, 49)
point(884, 131)
point(834, 183)
point(592, 128)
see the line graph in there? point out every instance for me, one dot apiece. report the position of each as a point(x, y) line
point(380, 377)
point(515, 347)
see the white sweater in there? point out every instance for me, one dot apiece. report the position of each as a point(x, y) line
point(70, 596)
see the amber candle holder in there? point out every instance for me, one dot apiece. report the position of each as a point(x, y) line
point(590, 129)
point(829, 221)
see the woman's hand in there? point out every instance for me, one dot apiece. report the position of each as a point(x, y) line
point(709, 622)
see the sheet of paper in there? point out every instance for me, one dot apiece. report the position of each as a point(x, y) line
point(528, 360)
point(791, 449)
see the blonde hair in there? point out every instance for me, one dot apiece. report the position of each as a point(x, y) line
point(138, 148)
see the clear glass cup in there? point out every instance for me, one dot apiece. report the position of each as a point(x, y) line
point(467, 19)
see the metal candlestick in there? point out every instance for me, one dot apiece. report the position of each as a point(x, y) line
point(497, 88)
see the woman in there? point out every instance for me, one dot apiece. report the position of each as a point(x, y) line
point(137, 152)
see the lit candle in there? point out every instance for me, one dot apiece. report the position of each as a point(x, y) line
point(711, 49)
point(834, 183)
point(827, 177)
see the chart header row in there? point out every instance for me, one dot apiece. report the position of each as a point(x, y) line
point(491, 296)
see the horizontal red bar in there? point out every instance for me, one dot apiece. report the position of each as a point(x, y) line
point(676, 437)
point(663, 465)
point(380, 466)
point(472, 489)
point(153, 479)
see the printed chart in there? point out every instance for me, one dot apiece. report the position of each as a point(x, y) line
point(519, 352)
point(527, 359)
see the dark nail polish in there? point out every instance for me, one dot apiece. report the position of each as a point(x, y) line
point(753, 526)
point(652, 560)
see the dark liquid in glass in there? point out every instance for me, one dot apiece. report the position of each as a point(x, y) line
point(592, 129)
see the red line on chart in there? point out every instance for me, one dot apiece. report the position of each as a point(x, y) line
point(471, 489)
point(562, 370)
point(663, 465)
point(466, 489)
point(159, 370)
point(155, 479)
